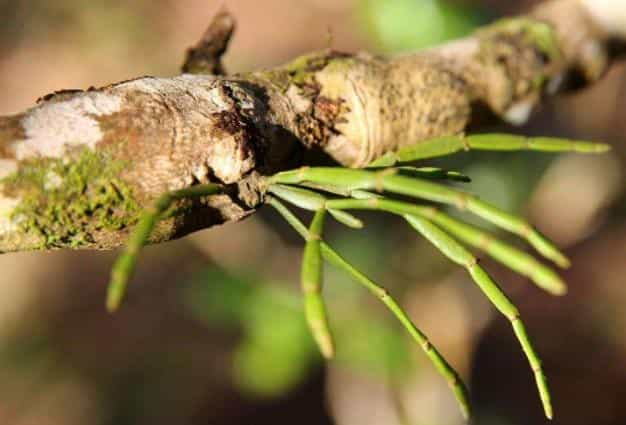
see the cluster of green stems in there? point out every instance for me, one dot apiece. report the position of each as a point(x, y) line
point(335, 190)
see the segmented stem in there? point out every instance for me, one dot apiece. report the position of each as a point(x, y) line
point(388, 180)
point(459, 255)
point(124, 266)
point(420, 218)
point(512, 257)
point(507, 254)
point(413, 182)
point(447, 145)
point(311, 281)
point(440, 363)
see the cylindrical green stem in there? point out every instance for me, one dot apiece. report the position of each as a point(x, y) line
point(440, 363)
point(458, 254)
point(388, 180)
point(443, 146)
point(125, 264)
point(507, 254)
point(311, 281)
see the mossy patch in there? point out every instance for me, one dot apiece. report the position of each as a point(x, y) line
point(301, 71)
point(536, 33)
point(67, 201)
point(524, 49)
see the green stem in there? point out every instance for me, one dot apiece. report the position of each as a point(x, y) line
point(388, 180)
point(507, 254)
point(124, 266)
point(447, 145)
point(459, 255)
point(440, 363)
point(311, 281)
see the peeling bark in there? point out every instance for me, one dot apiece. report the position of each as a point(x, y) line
point(153, 135)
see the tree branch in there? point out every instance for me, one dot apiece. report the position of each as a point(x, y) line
point(78, 168)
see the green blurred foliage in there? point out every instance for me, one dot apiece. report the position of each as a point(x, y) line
point(276, 351)
point(404, 25)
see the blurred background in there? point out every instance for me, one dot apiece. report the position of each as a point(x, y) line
point(213, 333)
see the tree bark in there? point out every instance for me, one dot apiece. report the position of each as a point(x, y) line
point(78, 168)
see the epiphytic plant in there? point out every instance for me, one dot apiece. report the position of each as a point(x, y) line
point(204, 148)
point(335, 190)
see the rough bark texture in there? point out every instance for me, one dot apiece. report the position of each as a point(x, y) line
point(78, 168)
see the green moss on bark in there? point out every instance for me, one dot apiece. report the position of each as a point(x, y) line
point(525, 50)
point(67, 202)
point(302, 70)
point(538, 34)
